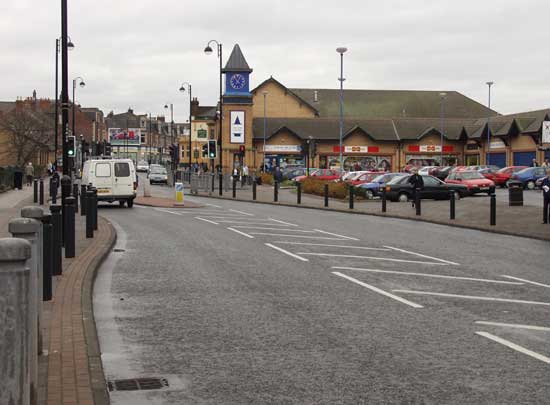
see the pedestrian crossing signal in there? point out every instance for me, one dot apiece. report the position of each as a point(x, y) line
point(71, 146)
point(212, 149)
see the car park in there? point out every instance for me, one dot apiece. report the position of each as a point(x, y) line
point(399, 189)
point(501, 176)
point(372, 188)
point(158, 175)
point(322, 174)
point(473, 180)
point(528, 177)
point(114, 179)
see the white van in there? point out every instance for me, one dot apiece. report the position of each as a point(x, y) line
point(115, 179)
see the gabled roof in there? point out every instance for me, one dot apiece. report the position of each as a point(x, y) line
point(236, 61)
point(287, 90)
point(6, 106)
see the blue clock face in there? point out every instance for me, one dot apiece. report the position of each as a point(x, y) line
point(237, 81)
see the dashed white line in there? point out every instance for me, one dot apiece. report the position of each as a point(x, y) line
point(213, 205)
point(282, 222)
point(405, 273)
point(241, 212)
point(335, 234)
point(294, 236)
point(515, 326)
point(372, 258)
point(242, 233)
point(421, 255)
point(515, 347)
point(206, 220)
point(378, 290)
point(527, 281)
point(286, 252)
point(472, 297)
point(328, 245)
point(167, 212)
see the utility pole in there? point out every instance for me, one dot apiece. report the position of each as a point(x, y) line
point(64, 87)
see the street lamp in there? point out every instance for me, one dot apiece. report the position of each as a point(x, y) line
point(489, 84)
point(70, 47)
point(265, 124)
point(341, 51)
point(81, 84)
point(442, 130)
point(208, 51)
point(182, 89)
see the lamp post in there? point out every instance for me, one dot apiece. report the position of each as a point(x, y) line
point(64, 86)
point(182, 89)
point(171, 128)
point(341, 51)
point(208, 51)
point(70, 47)
point(442, 129)
point(265, 124)
point(489, 84)
point(81, 84)
point(150, 137)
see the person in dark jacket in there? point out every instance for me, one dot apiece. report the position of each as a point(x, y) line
point(417, 183)
point(545, 186)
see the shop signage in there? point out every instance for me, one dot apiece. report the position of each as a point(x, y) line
point(357, 149)
point(202, 133)
point(472, 146)
point(283, 148)
point(546, 132)
point(431, 148)
point(497, 144)
point(237, 126)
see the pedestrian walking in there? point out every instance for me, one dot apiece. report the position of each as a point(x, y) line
point(29, 173)
point(545, 186)
point(245, 173)
point(546, 163)
point(278, 174)
point(534, 163)
point(417, 183)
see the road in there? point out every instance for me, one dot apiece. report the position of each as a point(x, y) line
point(244, 303)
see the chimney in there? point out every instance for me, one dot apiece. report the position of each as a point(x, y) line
point(130, 111)
point(194, 106)
point(316, 96)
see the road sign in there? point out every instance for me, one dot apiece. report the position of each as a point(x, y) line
point(546, 132)
point(179, 193)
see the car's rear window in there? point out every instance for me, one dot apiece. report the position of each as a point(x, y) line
point(122, 169)
point(103, 170)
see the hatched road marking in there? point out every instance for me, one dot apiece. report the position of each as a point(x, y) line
point(527, 281)
point(340, 246)
point(207, 220)
point(472, 297)
point(371, 258)
point(286, 252)
point(421, 255)
point(515, 347)
point(242, 233)
point(515, 326)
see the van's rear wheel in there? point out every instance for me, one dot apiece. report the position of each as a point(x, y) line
point(130, 202)
point(122, 203)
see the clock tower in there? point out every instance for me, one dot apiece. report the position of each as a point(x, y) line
point(237, 113)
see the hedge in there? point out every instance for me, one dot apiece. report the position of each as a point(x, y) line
point(317, 187)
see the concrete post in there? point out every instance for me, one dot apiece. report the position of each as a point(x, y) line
point(29, 228)
point(37, 213)
point(15, 318)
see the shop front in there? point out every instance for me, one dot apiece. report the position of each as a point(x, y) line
point(283, 156)
point(431, 155)
point(497, 153)
point(472, 156)
point(357, 158)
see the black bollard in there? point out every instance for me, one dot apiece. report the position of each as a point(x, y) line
point(254, 191)
point(298, 193)
point(213, 186)
point(452, 204)
point(325, 192)
point(69, 228)
point(234, 187)
point(384, 199)
point(47, 257)
point(417, 202)
point(35, 191)
point(75, 195)
point(89, 201)
point(41, 192)
point(493, 209)
point(53, 189)
point(83, 203)
point(94, 207)
point(220, 178)
point(65, 192)
point(276, 191)
point(351, 196)
point(57, 225)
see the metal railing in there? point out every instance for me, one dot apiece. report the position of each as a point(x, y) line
point(6, 178)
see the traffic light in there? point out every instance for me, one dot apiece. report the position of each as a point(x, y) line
point(242, 149)
point(107, 149)
point(71, 147)
point(205, 150)
point(212, 149)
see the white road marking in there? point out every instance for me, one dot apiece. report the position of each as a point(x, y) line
point(271, 229)
point(251, 223)
point(515, 347)
point(527, 281)
point(213, 205)
point(421, 255)
point(378, 290)
point(207, 220)
point(242, 233)
point(472, 297)
point(294, 236)
point(241, 212)
point(371, 258)
point(167, 212)
point(405, 273)
point(340, 246)
point(335, 234)
point(229, 217)
point(286, 252)
point(282, 222)
point(515, 326)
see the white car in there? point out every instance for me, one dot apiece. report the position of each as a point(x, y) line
point(142, 166)
point(158, 175)
point(425, 171)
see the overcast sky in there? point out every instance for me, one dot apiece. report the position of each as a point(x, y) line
point(136, 53)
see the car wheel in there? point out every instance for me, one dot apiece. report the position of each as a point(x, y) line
point(530, 185)
point(369, 194)
point(403, 197)
point(457, 195)
point(121, 203)
point(150, 182)
point(130, 202)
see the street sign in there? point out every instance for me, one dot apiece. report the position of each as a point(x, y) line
point(546, 132)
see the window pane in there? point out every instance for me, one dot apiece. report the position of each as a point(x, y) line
point(103, 170)
point(122, 170)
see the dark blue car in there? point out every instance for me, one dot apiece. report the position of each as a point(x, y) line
point(372, 189)
point(528, 177)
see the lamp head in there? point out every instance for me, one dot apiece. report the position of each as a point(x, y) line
point(208, 50)
point(341, 50)
point(82, 84)
point(490, 83)
point(70, 45)
point(182, 89)
point(442, 94)
point(165, 105)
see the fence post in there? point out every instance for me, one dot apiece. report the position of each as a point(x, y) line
point(325, 192)
point(384, 199)
point(275, 191)
point(94, 207)
point(254, 191)
point(298, 192)
point(220, 180)
point(234, 187)
point(69, 227)
point(47, 257)
point(89, 214)
point(493, 209)
point(35, 191)
point(351, 196)
point(452, 204)
point(75, 195)
point(28, 228)
point(65, 192)
point(417, 202)
point(41, 192)
point(83, 203)
point(57, 224)
point(16, 316)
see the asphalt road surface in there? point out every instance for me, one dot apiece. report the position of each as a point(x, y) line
point(239, 303)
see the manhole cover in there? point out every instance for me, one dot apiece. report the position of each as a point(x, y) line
point(137, 384)
point(119, 250)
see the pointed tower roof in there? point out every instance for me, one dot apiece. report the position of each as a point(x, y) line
point(236, 62)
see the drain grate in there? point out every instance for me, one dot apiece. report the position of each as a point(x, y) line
point(119, 250)
point(137, 384)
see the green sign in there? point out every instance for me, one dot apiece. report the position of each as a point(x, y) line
point(202, 133)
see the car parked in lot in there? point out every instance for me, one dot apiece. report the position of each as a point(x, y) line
point(399, 189)
point(528, 177)
point(363, 178)
point(302, 171)
point(442, 172)
point(372, 188)
point(427, 170)
point(473, 180)
point(322, 174)
point(501, 176)
point(158, 175)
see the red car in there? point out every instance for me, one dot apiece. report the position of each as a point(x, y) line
point(363, 178)
point(475, 182)
point(501, 176)
point(322, 174)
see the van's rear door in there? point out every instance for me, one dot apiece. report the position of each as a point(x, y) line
point(102, 178)
point(124, 181)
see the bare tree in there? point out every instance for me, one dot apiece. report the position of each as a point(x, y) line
point(28, 132)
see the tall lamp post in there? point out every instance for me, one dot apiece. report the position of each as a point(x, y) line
point(341, 51)
point(70, 47)
point(442, 127)
point(64, 86)
point(171, 127)
point(182, 89)
point(208, 51)
point(489, 84)
point(81, 83)
point(265, 125)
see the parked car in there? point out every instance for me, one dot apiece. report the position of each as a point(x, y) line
point(538, 183)
point(292, 174)
point(501, 176)
point(372, 188)
point(528, 177)
point(442, 172)
point(114, 179)
point(398, 189)
point(158, 175)
point(427, 170)
point(362, 178)
point(473, 180)
point(142, 166)
point(322, 174)
point(349, 175)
